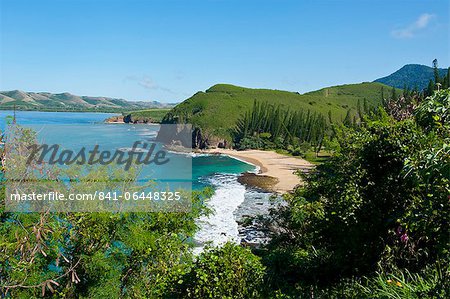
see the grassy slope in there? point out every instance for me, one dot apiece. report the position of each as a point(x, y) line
point(155, 115)
point(218, 109)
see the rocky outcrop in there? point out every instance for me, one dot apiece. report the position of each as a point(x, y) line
point(129, 119)
point(115, 119)
point(202, 140)
point(175, 135)
point(178, 133)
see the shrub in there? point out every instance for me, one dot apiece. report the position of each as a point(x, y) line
point(227, 272)
point(432, 282)
point(434, 111)
point(380, 202)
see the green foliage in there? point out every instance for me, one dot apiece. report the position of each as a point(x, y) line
point(218, 110)
point(94, 255)
point(432, 282)
point(270, 127)
point(372, 221)
point(440, 80)
point(229, 272)
point(149, 115)
point(380, 203)
point(434, 112)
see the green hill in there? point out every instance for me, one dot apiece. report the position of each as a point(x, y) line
point(412, 76)
point(150, 115)
point(217, 110)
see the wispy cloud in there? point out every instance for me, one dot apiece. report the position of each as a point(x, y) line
point(411, 30)
point(148, 83)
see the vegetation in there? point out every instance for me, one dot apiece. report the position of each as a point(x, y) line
point(439, 80)
point(227, 272)
point(92, 255)
point(269, 127)
point(216, 112)
point(374, 219)
point(149, 115)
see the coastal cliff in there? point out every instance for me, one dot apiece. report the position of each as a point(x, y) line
point(187, 136)
point(202, 140)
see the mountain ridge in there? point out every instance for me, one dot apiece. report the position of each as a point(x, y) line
point(66, 101)
point(412, 76)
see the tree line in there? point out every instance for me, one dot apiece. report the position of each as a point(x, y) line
point(438, 82)
point(268, 126)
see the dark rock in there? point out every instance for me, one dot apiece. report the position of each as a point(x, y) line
point(263, 182)
point(127, 119)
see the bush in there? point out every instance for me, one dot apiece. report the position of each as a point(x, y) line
point(434, 111)
point(227, 272)
point(432, 282)
point(379, 204)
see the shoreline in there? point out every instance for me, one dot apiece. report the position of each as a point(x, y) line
point(272, 165)
point(58, 111)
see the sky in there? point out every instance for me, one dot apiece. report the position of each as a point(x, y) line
point(167, 50)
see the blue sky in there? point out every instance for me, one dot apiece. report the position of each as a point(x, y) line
point(167, 50)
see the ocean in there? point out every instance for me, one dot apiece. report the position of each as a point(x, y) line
point(75, 130)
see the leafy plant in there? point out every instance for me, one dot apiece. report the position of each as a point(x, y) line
point(228, 272)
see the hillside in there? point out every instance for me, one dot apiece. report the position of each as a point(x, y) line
point(44, 101)
point(412, 76)
point(149, 115)
point(216, 110)
point(154, 115)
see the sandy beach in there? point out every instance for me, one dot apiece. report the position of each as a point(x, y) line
point(272, 164)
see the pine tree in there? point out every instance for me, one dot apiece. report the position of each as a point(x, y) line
point(359, 109)
point(430, 88)
point(437, 78)
point(365, 106)
point(406, 91)
point(394, 94)
point(348, 119)
point(447, 82)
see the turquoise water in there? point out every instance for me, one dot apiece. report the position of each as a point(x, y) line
point(36, 117)
point(75, 130)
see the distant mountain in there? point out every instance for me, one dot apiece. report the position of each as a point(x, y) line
point(411, 75)
point(68, 102)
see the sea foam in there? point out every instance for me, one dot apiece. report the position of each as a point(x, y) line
point(221, 226)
